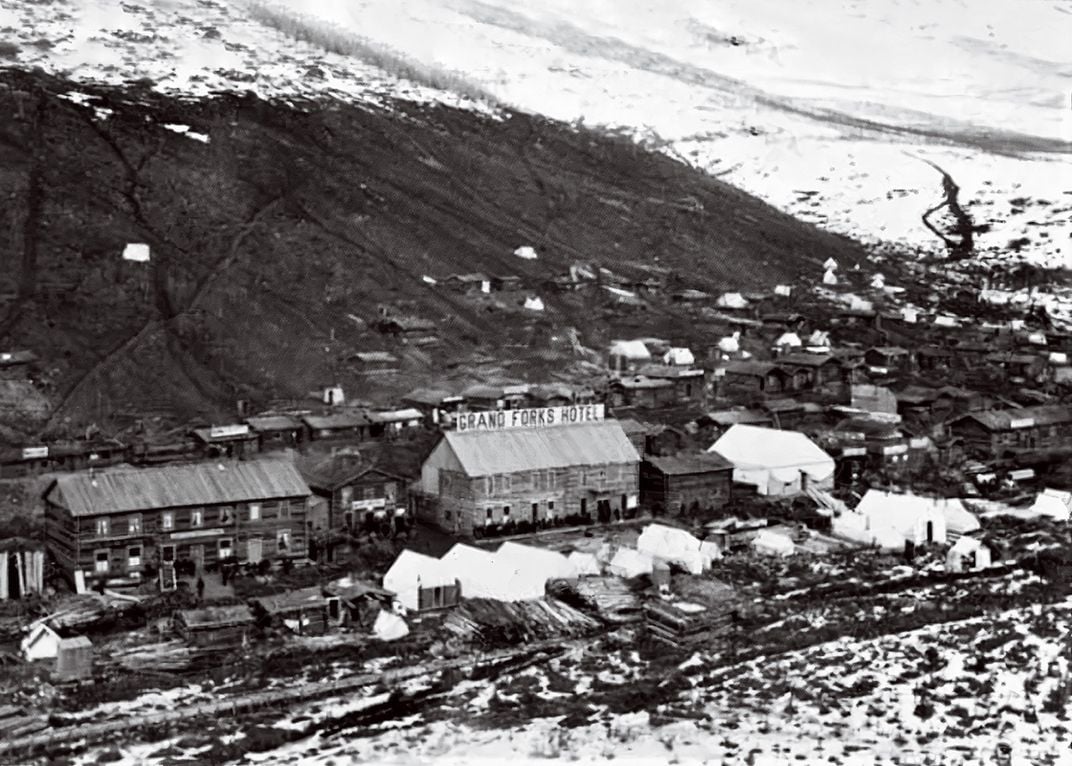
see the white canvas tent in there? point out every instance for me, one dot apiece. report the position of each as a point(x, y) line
point(389, 626)
point(586, 564)
point(552, 564)
point(534, 303)
point(917, 519)
point(775, 462)
point(829, 278)
point(674, 546)
point(1053, 503)
point(489, 575)
point(730, 344)
point(731, 301)
point(41, 643)
point(788, 340)
point(773, 544)
point(967, 553)
point(412, 571)
point(864, 530)
point(629, 562)
point(830, 264)
point(628, 353)
point(525, 252)
point(679, 357)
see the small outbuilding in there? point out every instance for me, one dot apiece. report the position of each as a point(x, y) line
point(41, 643)
point(422, 583)
point(74, 659)
point(215, 625)
point(968, 554)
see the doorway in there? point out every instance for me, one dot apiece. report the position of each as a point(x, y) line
point(930, 531)
point(197, 555)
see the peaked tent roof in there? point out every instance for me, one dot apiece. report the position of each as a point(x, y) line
point(411, 567)
point(755, 447)
point(175, 486)
point(902, 511)
point(486, 453)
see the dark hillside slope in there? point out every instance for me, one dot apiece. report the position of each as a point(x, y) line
point(270, 241)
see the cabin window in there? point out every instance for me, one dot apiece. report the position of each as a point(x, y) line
point(226, 549)
point(103, 527)
point(134, 524)
point(134, 558)
point(490, 516)
point(688, 389)
point(197, 518)
point(167, 520)
point(550, 509)
point(282, 540)
point(284, 509)
point(254, 511)
point(348, 519)
point(227, 515)
point(100, 561)
point(506, 513)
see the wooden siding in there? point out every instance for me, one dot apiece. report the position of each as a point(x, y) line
point(676, 493)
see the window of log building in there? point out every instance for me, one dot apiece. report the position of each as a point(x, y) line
point(197, 518)
point(134, 524)
point(254, 511)
point(103, 527)
point(167, 520)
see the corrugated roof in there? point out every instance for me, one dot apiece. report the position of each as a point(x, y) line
point(273, 423)
point(175, 486)
point(678, 465)
point(485, 453)
point(216, 616)
point(890, 350)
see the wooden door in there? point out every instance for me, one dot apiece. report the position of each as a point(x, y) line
point(253, 550)
point(197, 555)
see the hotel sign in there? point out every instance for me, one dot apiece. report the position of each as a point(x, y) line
point(538, 417)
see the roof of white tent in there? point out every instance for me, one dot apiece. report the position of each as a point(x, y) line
point(749, 446)
point(552, 564)
point(413, 567)
point(679, 356)
point(631, 349)
point(630, 562)
point(1055, 503)
point(903, 511)
point(585, 563)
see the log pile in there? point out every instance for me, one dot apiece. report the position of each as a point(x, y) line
point(679, 627)
point(15, 723)
point(498, 623)
point(609, 597)
point(165, 656)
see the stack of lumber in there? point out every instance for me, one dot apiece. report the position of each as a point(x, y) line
point(15, 723)
point(609, 597)
point(163, 656)
point(491, 622)
point(682, 627)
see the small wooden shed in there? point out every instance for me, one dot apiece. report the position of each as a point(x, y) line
point(74, 659)
point(215, 625)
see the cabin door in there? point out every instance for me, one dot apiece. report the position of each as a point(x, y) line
point(197, 555)
point(930, 531)
point(253, 550)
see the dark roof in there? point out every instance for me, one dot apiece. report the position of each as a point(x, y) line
point(1004, 420)
point(265, 423)
point(729, 417)
point(293, 601)
point(753, 368)
point(1007, 357)
point(867, 427)
point(12, 358)
point(412, 324)
point(633, 426)
point(339, 420)
point(935, 351)
point(330, 472)
point(782, 405)
point(545, 391)
point(917, 395)
point(642, 381)
point(679, 465)
point(176, 486)
point(216, 616)
point(474, 277)
point(205, 434)
point(666, 372)
point(804, 359)
point(432, 397)
point(356, 590)
point(890, 350)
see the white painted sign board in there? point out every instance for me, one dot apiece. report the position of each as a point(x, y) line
point(538, 417)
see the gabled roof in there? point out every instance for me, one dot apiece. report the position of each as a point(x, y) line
point(1007, 420)
point(754, 447)
point(633, 426)
point(293, 601)
point(216, 616)
point(486, 453)
point(890, 350)
point(935, 351)
point(396, 416)
point(339, 420)
point(637, 382)
point(804, 359)
point(176, 486)
point(729, 417)
point(758, 369)
point(432, 397)
point(335, 471)
point(917, 395)
point(683, 465)
point(265, 423)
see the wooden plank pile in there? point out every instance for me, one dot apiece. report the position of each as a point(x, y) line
point(681, 627)
point(491, 623)
point(612, 598)
point(165, 656)
point(15, 723)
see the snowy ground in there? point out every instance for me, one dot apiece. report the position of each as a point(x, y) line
point(834, 111)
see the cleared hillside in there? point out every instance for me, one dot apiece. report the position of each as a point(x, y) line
point(289, 222)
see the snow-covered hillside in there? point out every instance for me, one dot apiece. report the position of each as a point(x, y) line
point(842, 112)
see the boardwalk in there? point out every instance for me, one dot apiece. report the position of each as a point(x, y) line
point(89, 734)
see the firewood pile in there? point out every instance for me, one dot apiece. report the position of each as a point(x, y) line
point(496, 623)
point(680, 627)
point(611, 598)
point(15, 723)
point(165, 656)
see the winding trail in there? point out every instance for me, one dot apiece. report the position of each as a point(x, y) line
point(964, 228)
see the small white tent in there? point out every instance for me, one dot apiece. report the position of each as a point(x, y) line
point(411, 572)
point(830, 264)
point(909, 315)
point(674, 546)
point(731, 301)
point(679, 357)
point(917, 519)
point(788, 340)
point(775, 462)
point(878, 281)
point(967, 553)
point(784, 290)
point(864, 530)
point(534, 304)
point(389, 626)
point(773, 544)
point(829, 278)
point(629, 562)
point(626, 354)
point(137, 252)
point(730, 344)
point(1054, 503)
point(41, 643)
point(526, 252)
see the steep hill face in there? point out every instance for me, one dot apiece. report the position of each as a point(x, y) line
point(277, 232)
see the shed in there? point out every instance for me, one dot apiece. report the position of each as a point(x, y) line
point(215, 625)
point(74, 659)
point(41, 643)
point(422, 583)
point(303, 611)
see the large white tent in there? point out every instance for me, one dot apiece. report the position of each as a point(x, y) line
point(586, 563)
point(1054, 503)
point(412, 571)
point(864, 530)
point(917, 519)
point(493, 576)
point(675, 546)
point(552, 564)
point(776, 462)
point(629, 562)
